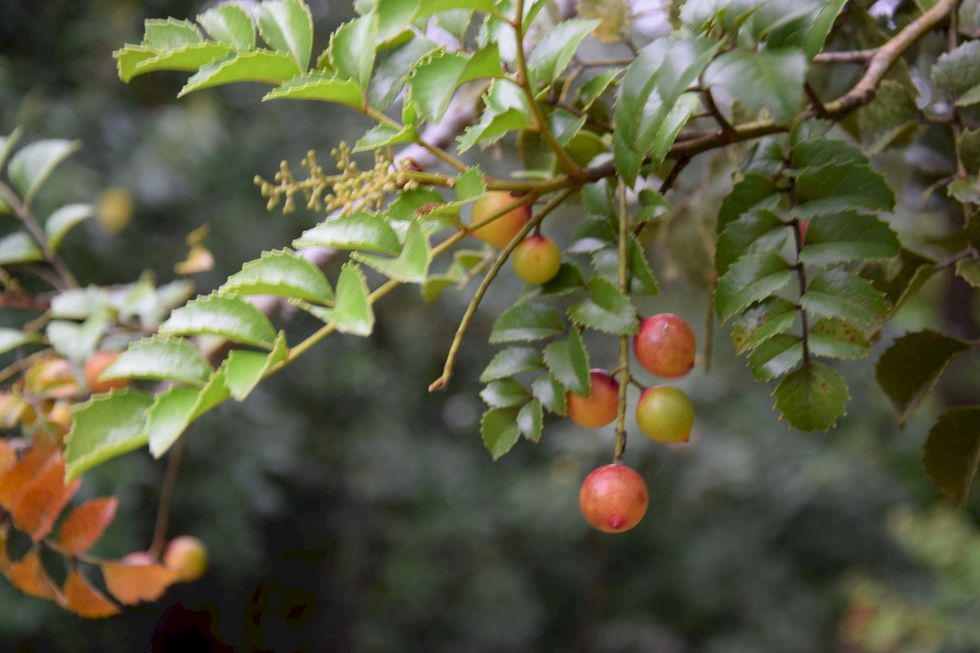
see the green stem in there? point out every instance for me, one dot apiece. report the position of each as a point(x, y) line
point(25, 215)
point(524, 81)
point(624, 346)
point(464, 324)
point(438, 152)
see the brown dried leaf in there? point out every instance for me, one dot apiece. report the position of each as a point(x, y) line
point(132, 583)
point(13, 483)
point(613, 14)
point(29, 576)
point(52, 378)
point(85, 524)
point(42, 499)
point(83, 599)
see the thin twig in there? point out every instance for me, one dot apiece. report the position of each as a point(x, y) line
point(447, 370)
point(24, 214)
point(846, 56)
point(709, 103)
point(624, 345)
point(815, 101)
point(166, 498)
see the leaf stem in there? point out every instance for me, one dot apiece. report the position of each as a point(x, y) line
point(30, 222)
point(464, 324)
point(166, 498)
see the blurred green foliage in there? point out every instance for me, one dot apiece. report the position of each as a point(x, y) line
point(346, 509)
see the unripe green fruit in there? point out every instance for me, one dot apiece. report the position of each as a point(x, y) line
point(186, 557)
point(600, 407)
point(503, 229)
point(537, 259)
point(665, 414)
point(665, 345)
point(613, 498)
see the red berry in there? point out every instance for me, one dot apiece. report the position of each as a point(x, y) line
point(186, 557)
point(613, 498)
point(665, 345)
point(537, 259)
point(501, 230)
point(600, 407)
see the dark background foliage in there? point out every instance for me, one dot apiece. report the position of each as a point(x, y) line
point(346, 509)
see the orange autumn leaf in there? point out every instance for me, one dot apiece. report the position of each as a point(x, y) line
point(29, 576)
point(12, 483)
point(8, 457)
point(85, 524)
point(42, 499)
point(133, 583)
point(83, 599)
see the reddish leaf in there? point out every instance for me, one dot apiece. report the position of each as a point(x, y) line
point(132, 583)
point(29, 576)
point(85, 524)
point(43, 499)
point(12, 483)
point(83, 599)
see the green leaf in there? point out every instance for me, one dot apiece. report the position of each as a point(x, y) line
point(526, 322)
point(230, 24)
point(7, 144)
point(175, 409)
point(188, 58)
point(841, 294)
point(969, 98)
point(11, 339)
point(832, 338)
point(383, 136)
point(957, 72)
point(470, 185)
point(353, 313)
point(283, 273)
point(838, 237)
point(648, 92)
point(593, 89)
point(969, 271)
point(812, 398)
point(910, 368)
point(747, 193)
point(229, 317)
point(776, 356)
point(128, 57)
point(968, 149)
point(391, 73)
point(511, 361)
point(892, 108)
point(263, 66)
point(396, 15)
point(74, 341)
point(169, 33)
point(411, 265)
point(756, 231)
point(32, 165)
point(606, 309)
point(436, 79)
point(62, 220)
point(287, 26)
point(242, 370)
point(816, 31)
point(530, 420)
point(642, 282)
point(550, 393)
point(685, 107)
point(770, 79)
point(749, 280)
point(160, 359)
point(761, 322)
point(499, 430)
point(568, 362)
point(321, 87)
point(568, 280)
point(351, 49)
point(555, 50)
point(506, 110)
point(965, 191)
point(104, 427)
point(360, 230)
point(505, 393)
point(838, 188)
point(19, 247)
point(952, 452)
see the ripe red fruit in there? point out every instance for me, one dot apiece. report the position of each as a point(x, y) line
point(499, 232)
point(537, 259)
point(95, 365)
point(613, 498)
point(665, 345)
point(665, 414)
point(600, 407)
point(186, 557)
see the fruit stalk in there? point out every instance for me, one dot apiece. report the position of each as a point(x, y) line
point(624, 346)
